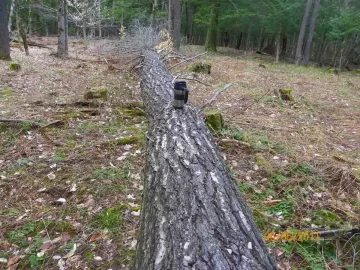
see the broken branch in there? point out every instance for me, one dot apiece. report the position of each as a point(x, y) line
point(187, 60)
point(226, 87)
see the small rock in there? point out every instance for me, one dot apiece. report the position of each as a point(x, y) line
point(97, 258)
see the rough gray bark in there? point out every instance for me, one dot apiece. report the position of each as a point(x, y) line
point(4, 33)
point(300, 42)
point(193, 215)
point(307, 52)
point(175, 22)
point(62, 49)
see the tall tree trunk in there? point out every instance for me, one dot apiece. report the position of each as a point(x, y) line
point(193, 215)
point(210, 43)
point(300, 43)
point(4, 33)
point(154, 12)
point(278, 46)
point(284, 45)
point(321, 50)
point(100, 19)
point(307, 53)
point(11, 14)
point(175, 22)
point(238, 41)
point(62, 38)
point(18, 23)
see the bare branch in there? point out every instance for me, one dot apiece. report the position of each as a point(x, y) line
point(193, 79)
point(188, 59)
point(226, 87)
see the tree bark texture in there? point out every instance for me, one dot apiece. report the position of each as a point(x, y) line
point(307, 52)
point(175, 22)
point(210, 43)
point(193, 215)
point(299, 47)
point(62, 38)
point(4, 33)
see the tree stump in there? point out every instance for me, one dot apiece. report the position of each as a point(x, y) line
point(193, 215)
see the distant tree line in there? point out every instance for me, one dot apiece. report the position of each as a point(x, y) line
point(326, 32)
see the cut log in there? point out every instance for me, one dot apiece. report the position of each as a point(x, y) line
point(193, 215)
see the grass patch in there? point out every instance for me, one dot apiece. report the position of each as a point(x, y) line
point(110, 173)
point(110, 219)
point(6, 92)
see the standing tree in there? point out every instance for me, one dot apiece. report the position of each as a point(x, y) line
point(4, 33)
point(210, 43)
point(299, 47)
point(308, 46)
point(175, 22)
point(62, 49)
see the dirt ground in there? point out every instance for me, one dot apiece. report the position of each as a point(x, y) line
point(71, 188)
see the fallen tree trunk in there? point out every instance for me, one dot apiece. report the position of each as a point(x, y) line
point(193, 216)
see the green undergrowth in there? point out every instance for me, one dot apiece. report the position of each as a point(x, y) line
point(281, 198)
point(258, 142)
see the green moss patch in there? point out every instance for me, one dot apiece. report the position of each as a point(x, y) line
point(333, 71)
point(97, 93)
point(14, 67)
point(214, 120)
point(6, 92)
point(200, 67)
point(286, 94)
point(135, 139)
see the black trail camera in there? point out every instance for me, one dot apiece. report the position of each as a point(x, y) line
point(180, 95)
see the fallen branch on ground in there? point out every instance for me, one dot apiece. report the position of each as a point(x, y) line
point(226, 87)
point(256, 101)
point(339, 232)
point(193, 79)
point(32, 123)
point(187, 60)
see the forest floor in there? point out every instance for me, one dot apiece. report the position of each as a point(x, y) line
point(71, 190)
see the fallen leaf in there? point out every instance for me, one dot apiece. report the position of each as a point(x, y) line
point(95, 237)
point(136, 213)
point(51, 176)
point(65, 237)
point(70, 253)
point(12, 261)
point(46, 245)
point(133, 204)
point(40, 254)
point(73, 188)
point(131, 197)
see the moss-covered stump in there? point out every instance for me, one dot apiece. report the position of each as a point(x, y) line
point(97, 93)
point(333, 71)
point(14, 67)
point(200, 67)
point(286, 94)
point(214, 120)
